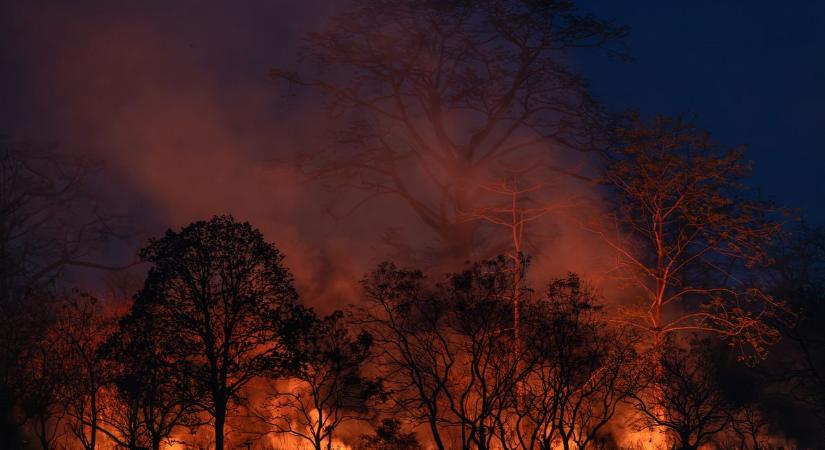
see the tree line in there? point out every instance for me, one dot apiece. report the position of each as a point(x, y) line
point(218, 311)
point(217, 335)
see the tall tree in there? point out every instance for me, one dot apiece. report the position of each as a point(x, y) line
point(686, 232)
point(50, 219)
point(520, 210)
point(440, 94)
point(224, 307)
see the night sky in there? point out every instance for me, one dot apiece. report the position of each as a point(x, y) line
point(752, 71)
point(170, 93)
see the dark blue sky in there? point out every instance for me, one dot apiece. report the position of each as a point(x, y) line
point(753, 71)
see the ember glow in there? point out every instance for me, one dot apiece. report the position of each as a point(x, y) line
point(383, 225)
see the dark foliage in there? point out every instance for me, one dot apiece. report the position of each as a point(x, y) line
point(224, 309)
point(329, 388)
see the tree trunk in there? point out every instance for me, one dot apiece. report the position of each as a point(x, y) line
point(436, 435)
point(686, 445)
point(42, 435)
point(93, 425)
point(220, 419)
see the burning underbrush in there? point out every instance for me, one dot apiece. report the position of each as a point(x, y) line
point(217, 352)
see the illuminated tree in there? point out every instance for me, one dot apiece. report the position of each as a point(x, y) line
point(514, 215)
point(687, 235)
point(440, 93)
point(223, 307)
point(328, 389)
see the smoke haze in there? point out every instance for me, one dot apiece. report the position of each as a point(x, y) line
point(176, 102)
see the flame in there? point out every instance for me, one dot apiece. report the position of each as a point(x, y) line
point(648, 439)
point(283, 441)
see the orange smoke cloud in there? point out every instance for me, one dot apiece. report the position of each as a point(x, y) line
point(175, 99)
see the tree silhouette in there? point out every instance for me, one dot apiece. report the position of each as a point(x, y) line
point(40, 388)
point(689, 404)
point(520, 210)
point(796, 372)
point(79, 332)
point(328, 389)
point(750, 425)
point(147, 400)
point(224, 309)
point(50, 220)
point(580, 370)
point(440, 93)
point(447, 349)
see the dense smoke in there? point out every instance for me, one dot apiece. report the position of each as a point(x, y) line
point(176, 102)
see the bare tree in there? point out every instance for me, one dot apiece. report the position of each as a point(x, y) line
point(224, 309)
point(439, 93)
point(686, 233)
point(50, 220)
point(518, 211)
point(689, 405)
point(445, 350)
point(750, 425)
point(41, 387)
point(798, 274)
point(329, 388)
point(145, 400)
point(580, 371)
point(79, 331)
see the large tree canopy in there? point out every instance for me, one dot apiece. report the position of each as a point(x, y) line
point(688, 234)
point(224, 307)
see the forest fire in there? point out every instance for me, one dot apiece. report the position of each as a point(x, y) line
point(444, 242)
